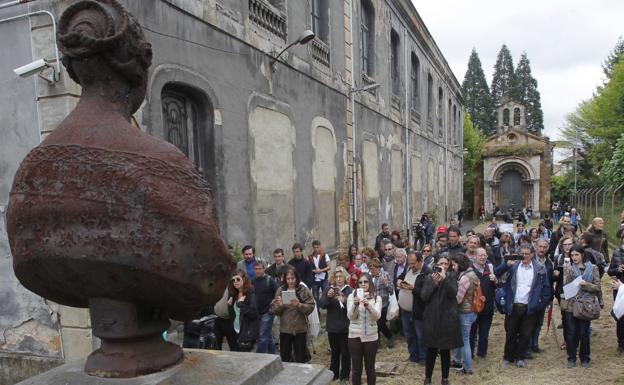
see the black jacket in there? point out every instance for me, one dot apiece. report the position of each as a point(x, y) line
point(441, 326)
point(249, 318)
point(264, 289)
point(616, 261)
point(600, 243)
point(488, 288)
point(304, 268)
point(336, 321)
point(453, 250)
point(418, 305)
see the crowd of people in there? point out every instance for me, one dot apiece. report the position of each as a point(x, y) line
point(440, 293)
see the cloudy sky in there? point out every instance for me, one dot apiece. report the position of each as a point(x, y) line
point(566, 42)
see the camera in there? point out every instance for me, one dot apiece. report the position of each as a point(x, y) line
point(513, 257)
point(437, 269)
point(37, 67)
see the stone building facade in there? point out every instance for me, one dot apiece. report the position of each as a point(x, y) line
point(359, 127)
point(516, 167)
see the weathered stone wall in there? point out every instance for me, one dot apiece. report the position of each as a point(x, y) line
point(280, 142)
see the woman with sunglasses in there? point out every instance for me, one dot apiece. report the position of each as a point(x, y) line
point(427, 252)
point(363, 311)
point(293, 317)
point(441, 326)
point(243, 311)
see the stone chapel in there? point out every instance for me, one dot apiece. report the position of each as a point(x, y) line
point(516, 166)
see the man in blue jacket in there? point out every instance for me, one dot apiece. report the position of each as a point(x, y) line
point(527, 292)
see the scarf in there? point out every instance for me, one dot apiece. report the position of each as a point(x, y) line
point(588, 276)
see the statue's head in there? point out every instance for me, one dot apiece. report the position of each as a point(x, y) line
point(102, 34)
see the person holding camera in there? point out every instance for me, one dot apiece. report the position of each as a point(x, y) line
point(334, 299)
point(410, 285)
point(616, 270)
point(363, 311)
point(526, 293)
point(441, 326)
point(578, 328)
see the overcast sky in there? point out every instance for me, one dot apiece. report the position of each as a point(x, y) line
point(566, 42)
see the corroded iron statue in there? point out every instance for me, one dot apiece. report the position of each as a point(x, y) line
point(102, 215)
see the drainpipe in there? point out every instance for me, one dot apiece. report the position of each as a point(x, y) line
point(354, 206)
point(408, 187)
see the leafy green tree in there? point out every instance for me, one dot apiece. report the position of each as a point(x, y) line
point(477, 98)
point(525, 91)
point(474, 140)
point(503, 80)
point(613, 171)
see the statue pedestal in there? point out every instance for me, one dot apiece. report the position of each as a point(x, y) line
point(201, 367)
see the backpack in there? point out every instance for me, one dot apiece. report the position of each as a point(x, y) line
point(478, 299)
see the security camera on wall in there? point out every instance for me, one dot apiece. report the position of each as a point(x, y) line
point(36, 67)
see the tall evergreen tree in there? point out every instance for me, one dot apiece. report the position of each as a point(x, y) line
point(477, 98)
point(525, 91)
point(503, 81)
point(614, 57)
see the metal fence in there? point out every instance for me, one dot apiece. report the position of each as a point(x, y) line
point(605, 201)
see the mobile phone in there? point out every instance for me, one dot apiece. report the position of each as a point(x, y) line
point(359, 293)
point(437, 269)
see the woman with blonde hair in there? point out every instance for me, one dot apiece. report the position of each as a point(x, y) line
point(334, 299)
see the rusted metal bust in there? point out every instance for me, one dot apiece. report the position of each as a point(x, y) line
point(102, 215)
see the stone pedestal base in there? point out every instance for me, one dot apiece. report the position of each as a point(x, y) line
point(201, 367)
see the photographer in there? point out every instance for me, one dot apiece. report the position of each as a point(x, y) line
point(363, 311)
point(334, 299)
point(441, 326)
point(523, 300)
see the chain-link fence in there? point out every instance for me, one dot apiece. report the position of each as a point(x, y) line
point(604, 201)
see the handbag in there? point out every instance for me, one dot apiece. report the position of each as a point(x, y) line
point(221, 308)
point(586, 308)
point(393, 307)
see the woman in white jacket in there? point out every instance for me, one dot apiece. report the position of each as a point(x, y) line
point(363, 311)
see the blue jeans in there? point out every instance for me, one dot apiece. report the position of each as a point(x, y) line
point(317, 289)
point(412, 329)
point(577, 333)
point(266, 343)
point(466, 320)
point(534, 340)
point(481, 329)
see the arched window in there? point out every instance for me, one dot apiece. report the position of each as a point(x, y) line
point(516, 116)
point(506, 117)
point(429, 98)
point(367, 37)
point(188, 124)
point(415, 75)
point(394, 62)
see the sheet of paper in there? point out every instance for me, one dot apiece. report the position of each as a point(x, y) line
point(287, 296)
point(506, 228)
point(572, 288)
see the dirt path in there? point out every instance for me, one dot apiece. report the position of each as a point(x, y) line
point(549, 367)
